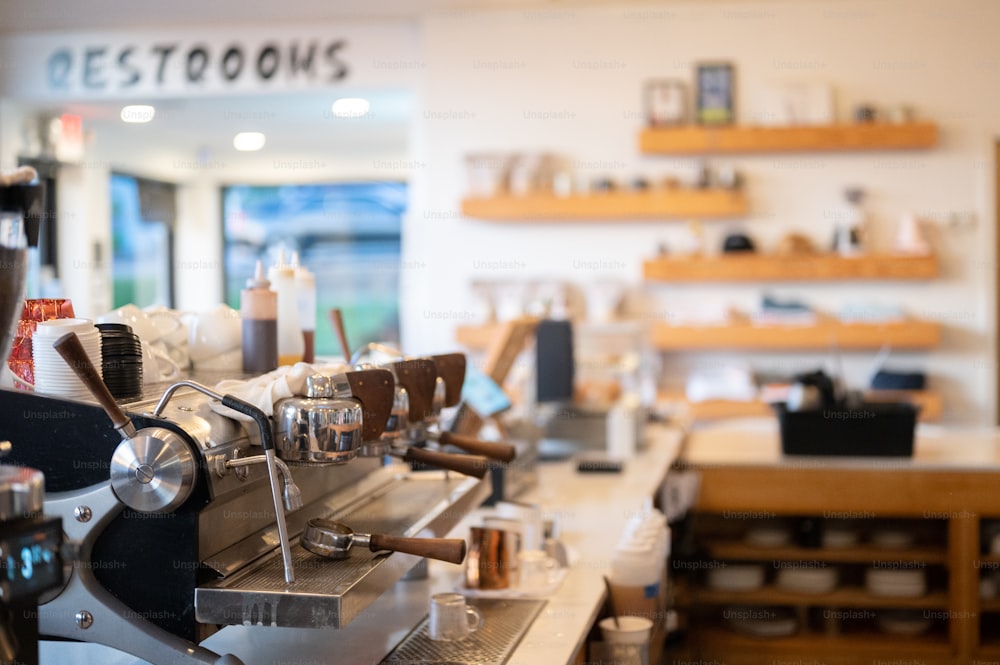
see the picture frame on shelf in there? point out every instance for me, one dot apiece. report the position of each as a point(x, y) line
point(665, 103)
point(715, 100)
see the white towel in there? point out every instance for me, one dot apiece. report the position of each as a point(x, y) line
point(266, 390)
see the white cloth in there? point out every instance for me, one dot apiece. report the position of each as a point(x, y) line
point(266, 390)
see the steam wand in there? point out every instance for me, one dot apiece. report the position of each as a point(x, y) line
point(266, 442)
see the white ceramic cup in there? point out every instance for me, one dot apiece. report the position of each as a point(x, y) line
point(631, 630)
point(213, 333)
point(535, 569)
point(157, 364)
point(451, 618)
point(136, 319)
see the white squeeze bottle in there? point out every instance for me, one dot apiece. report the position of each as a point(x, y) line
point(305, 290)
point(290, 344)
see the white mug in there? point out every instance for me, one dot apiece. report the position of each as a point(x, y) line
point(451, 619)
point(216, 338)
point(136, 319)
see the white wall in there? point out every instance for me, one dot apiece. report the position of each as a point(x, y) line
point(490, 76)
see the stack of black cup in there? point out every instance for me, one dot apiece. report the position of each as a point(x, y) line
point(121, 360)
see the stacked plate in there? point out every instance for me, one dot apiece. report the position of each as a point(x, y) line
point(52, 375)
point(768, 535)
point(906, 583)
point(905, 623)
point(762, 621)
point(807, 580)
point(121, 352)
point(737, 577)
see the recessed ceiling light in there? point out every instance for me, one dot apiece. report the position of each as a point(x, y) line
point(350, 107)
point(137, 113)
point(248, 141)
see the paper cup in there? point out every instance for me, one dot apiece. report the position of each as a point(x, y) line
point(631, 630)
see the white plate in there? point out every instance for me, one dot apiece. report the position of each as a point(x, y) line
point(908, 623)
point(807, 580)
point(738, 577)
point(768, 536)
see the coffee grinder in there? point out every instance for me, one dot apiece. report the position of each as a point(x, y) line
point(30, 543)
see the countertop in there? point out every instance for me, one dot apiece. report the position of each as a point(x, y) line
point(590, 510)
point(756, 442)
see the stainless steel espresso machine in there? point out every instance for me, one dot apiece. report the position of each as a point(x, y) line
point(186, 510)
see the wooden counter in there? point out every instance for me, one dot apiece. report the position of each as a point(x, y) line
point(949, 486)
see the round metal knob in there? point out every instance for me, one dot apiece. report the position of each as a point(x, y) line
point(154, 471)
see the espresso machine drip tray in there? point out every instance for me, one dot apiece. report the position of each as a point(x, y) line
point(330, 593)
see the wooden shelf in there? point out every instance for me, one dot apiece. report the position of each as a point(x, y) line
point(694, 139)
point(730, 549)
point(653, 205)
point(824, 335)
point(751, 267)
point(841, 597)
point(931, 405)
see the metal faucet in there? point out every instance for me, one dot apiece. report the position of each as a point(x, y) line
point(291, 495)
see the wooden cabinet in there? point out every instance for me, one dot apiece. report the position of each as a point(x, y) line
point(942, 497)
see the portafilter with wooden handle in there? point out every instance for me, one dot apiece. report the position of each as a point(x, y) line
point(334, 540)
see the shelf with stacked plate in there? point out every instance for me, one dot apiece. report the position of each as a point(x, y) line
point(676, 203)
point(704, 140)
point(762, 267)
point(830, 587)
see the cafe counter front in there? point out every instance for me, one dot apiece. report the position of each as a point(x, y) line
point(840, 558)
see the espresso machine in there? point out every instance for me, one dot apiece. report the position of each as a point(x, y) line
point(186, 511)
point(30, 541)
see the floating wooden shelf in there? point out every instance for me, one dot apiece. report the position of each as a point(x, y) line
point(825, 335)
point(930, 404)
point(719, 548)
point(694, 139)
point(750, 267)
point(840, 597)
point(656, 205)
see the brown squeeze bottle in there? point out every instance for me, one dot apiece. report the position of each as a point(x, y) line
point(259, 311)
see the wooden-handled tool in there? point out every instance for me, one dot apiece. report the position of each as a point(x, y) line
point(469, 465)
point(497, 450)
point(337, 320)
point(69, 347)
point(334, 540)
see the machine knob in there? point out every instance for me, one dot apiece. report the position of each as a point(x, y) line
point(153, 471)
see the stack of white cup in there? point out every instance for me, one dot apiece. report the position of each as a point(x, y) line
point(52, 375)
point(640, 558)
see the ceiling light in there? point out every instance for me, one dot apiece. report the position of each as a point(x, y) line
point(137, 113)
point(248, 141)
point(350, 107)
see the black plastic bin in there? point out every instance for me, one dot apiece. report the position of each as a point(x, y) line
point(883, 429)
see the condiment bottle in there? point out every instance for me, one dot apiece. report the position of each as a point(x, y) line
point(305, 290)
point(290, 346)
point(259, 312)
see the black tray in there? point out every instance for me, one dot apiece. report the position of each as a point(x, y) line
point(883, 429)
